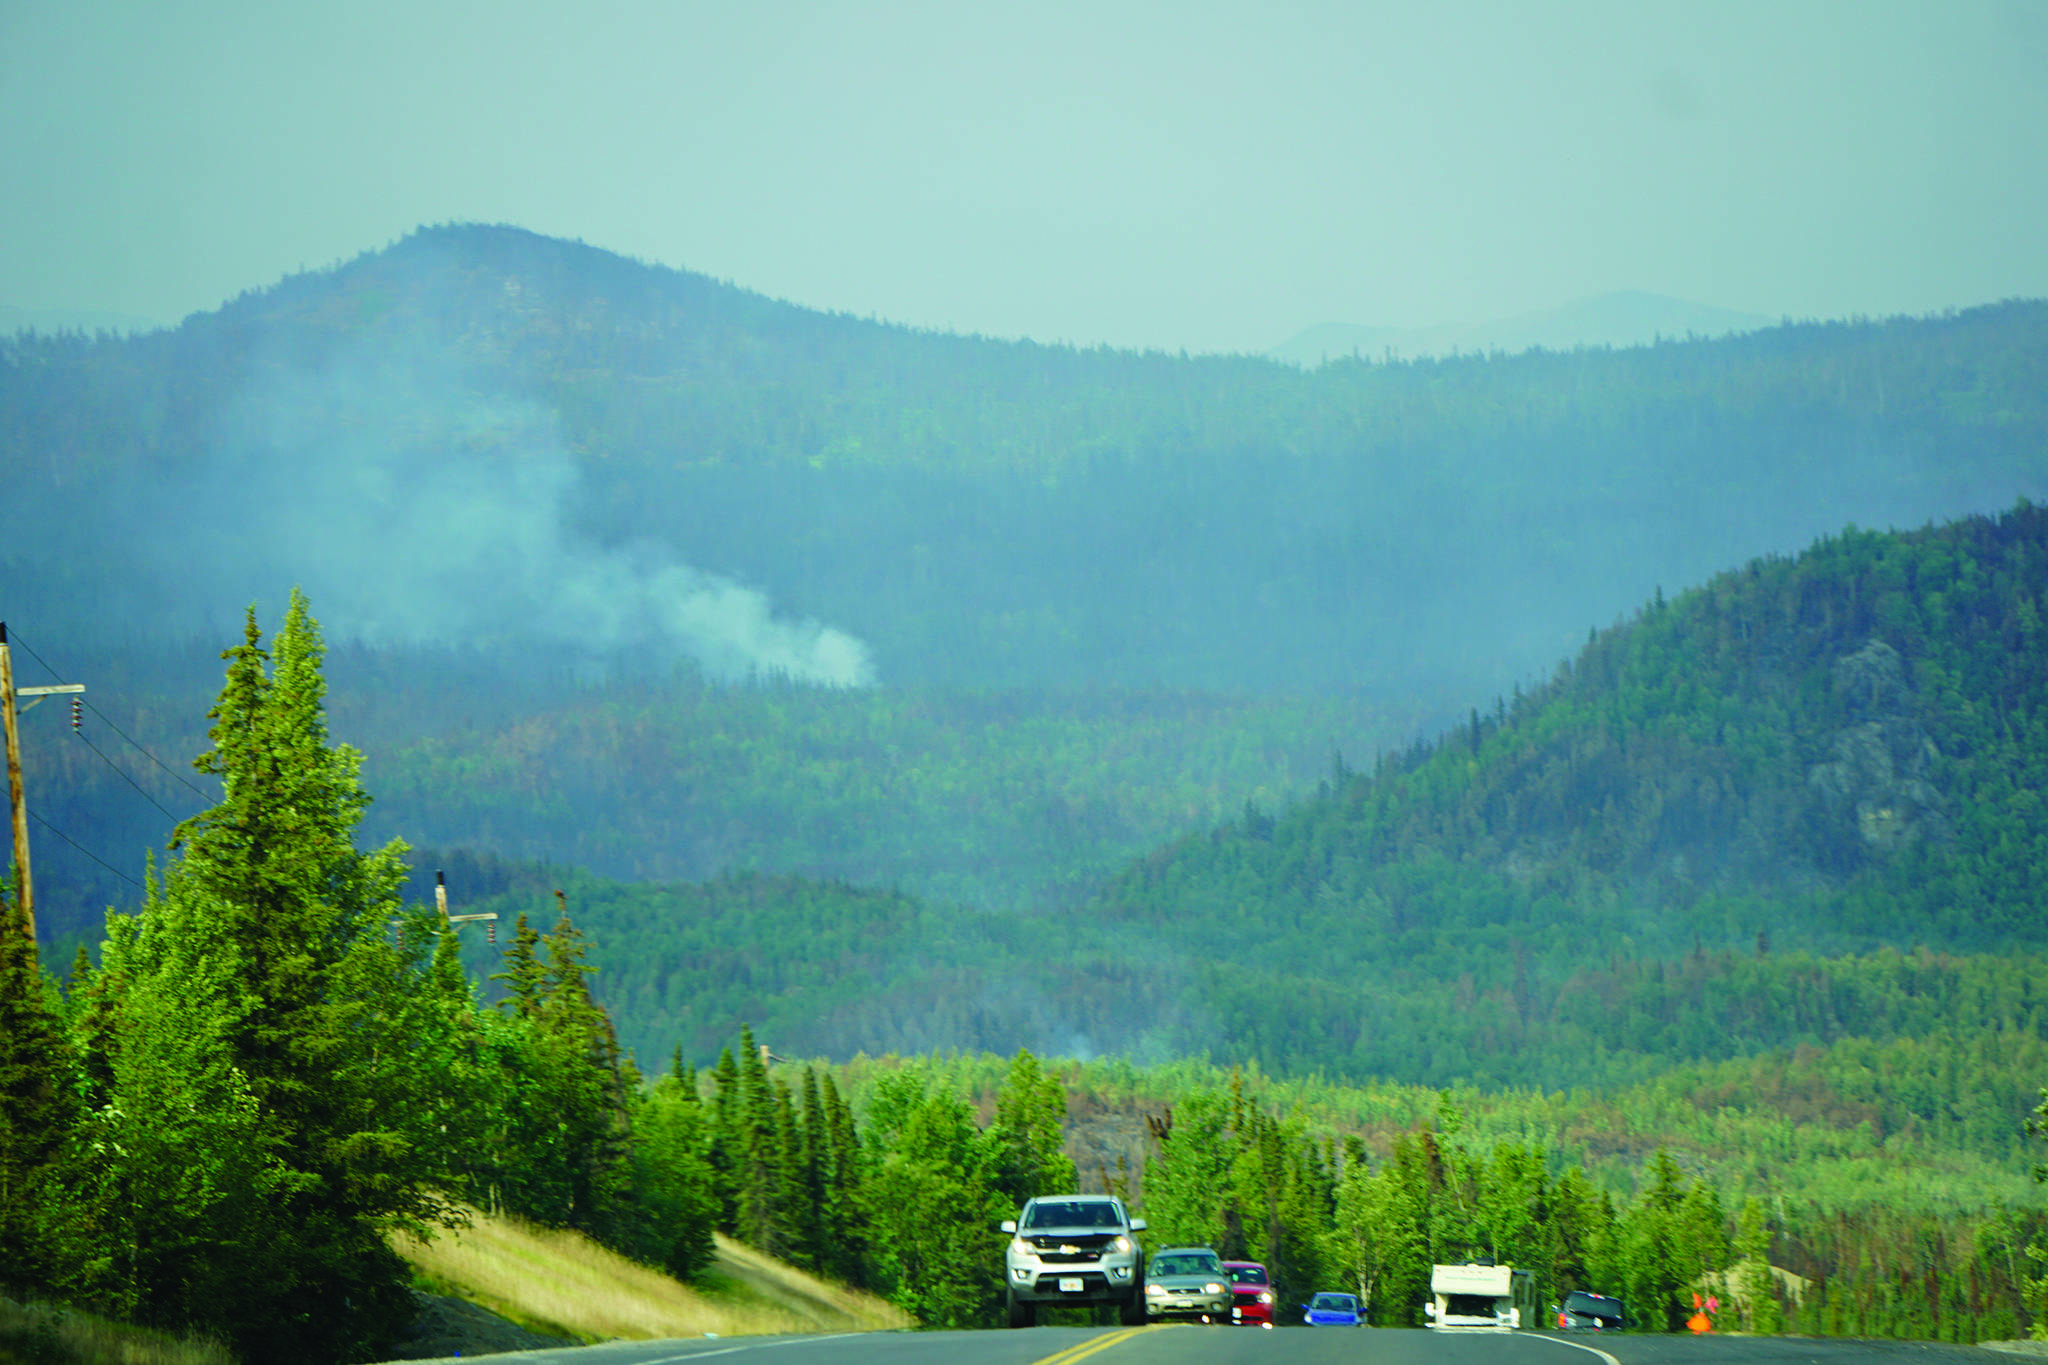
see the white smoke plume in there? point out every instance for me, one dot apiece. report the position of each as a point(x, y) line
point(416, 506)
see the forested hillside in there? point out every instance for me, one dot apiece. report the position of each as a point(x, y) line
point(1798, 805)
point(1839, 750)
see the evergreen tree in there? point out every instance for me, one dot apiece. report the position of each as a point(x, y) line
point(727, 1139)
point(676, 1204)
point(813, 1157)
point(37, 1112)
point(845, 1209)
point(525, 975)
point(591, 1108)
point(932, 1203)
point(763, 1213)
point(466, 1095)
point(260, 1094)
point(1652, 1246)
point(1580, 1220)
point(1755, 1283)
point(1029, 1133)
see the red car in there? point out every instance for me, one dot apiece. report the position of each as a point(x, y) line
point(1251, 1294)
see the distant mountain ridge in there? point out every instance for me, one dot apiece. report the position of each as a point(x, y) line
point(1618, 319)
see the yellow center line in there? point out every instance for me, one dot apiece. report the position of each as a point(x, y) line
point(1089, 1348)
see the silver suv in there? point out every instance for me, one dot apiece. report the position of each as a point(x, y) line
point(1071, 1249)
point(1187, 1282)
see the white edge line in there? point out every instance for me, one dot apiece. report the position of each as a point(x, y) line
point(761, 1346)
point(1577, 1345)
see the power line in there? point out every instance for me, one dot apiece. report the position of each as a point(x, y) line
point(16, 637)
point(86, 851)
point(198, 791)
point(123, 773)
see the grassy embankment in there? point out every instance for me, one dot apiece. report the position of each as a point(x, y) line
point(47, 1335)
point(563, 1284)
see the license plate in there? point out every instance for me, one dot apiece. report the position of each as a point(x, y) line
point(1070, 1285)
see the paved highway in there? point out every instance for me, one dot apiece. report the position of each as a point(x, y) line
point(1187, 1345)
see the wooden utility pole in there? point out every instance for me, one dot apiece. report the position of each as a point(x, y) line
point(441, 904)
point(17, 802)
point(24, 895)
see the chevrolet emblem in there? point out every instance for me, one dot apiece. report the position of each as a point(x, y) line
point(1068, 1249)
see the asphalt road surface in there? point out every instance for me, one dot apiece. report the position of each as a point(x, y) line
point(1188, 1345)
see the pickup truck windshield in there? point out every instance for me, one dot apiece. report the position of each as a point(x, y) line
point(1073, 1213)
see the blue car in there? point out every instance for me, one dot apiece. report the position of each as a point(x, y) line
point(1332, 1310)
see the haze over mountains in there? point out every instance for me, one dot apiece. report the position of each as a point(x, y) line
point(632, 571)
point(486, 438)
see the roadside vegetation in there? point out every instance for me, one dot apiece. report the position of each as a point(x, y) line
point(559, 1282)
point(35, 1333)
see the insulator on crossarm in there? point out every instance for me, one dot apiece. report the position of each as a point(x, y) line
point(77, 716)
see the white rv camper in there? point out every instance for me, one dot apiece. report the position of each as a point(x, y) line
point(1478, 1297)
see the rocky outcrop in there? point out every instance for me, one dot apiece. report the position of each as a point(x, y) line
point(1878, 780)
point(451, 1329)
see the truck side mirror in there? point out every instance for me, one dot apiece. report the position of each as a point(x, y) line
point(1007, 1225)
point(1137, 1225)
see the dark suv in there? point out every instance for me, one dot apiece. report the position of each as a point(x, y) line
point(1073, 1249)
point(1583, 1311)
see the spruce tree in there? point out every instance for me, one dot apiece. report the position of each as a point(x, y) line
point(592, 1112)
point(261, 1104)
point(762, 1213)
point(815, 1227)
point(36, 1112)
point(525, 976)
point(845, 1211)
point(727, 1140)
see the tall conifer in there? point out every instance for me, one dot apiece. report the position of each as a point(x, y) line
point(260, 1097)
point(36, 1110)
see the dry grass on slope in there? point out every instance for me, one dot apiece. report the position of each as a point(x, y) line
point(66, 1336)
point(563, 1283)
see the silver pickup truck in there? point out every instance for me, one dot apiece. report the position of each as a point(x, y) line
point(1073, 1249)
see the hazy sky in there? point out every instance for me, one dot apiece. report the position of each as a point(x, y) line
point(1208, 176)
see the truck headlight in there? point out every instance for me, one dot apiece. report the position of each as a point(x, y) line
point(1021, 1247)
point(1122, 1244)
